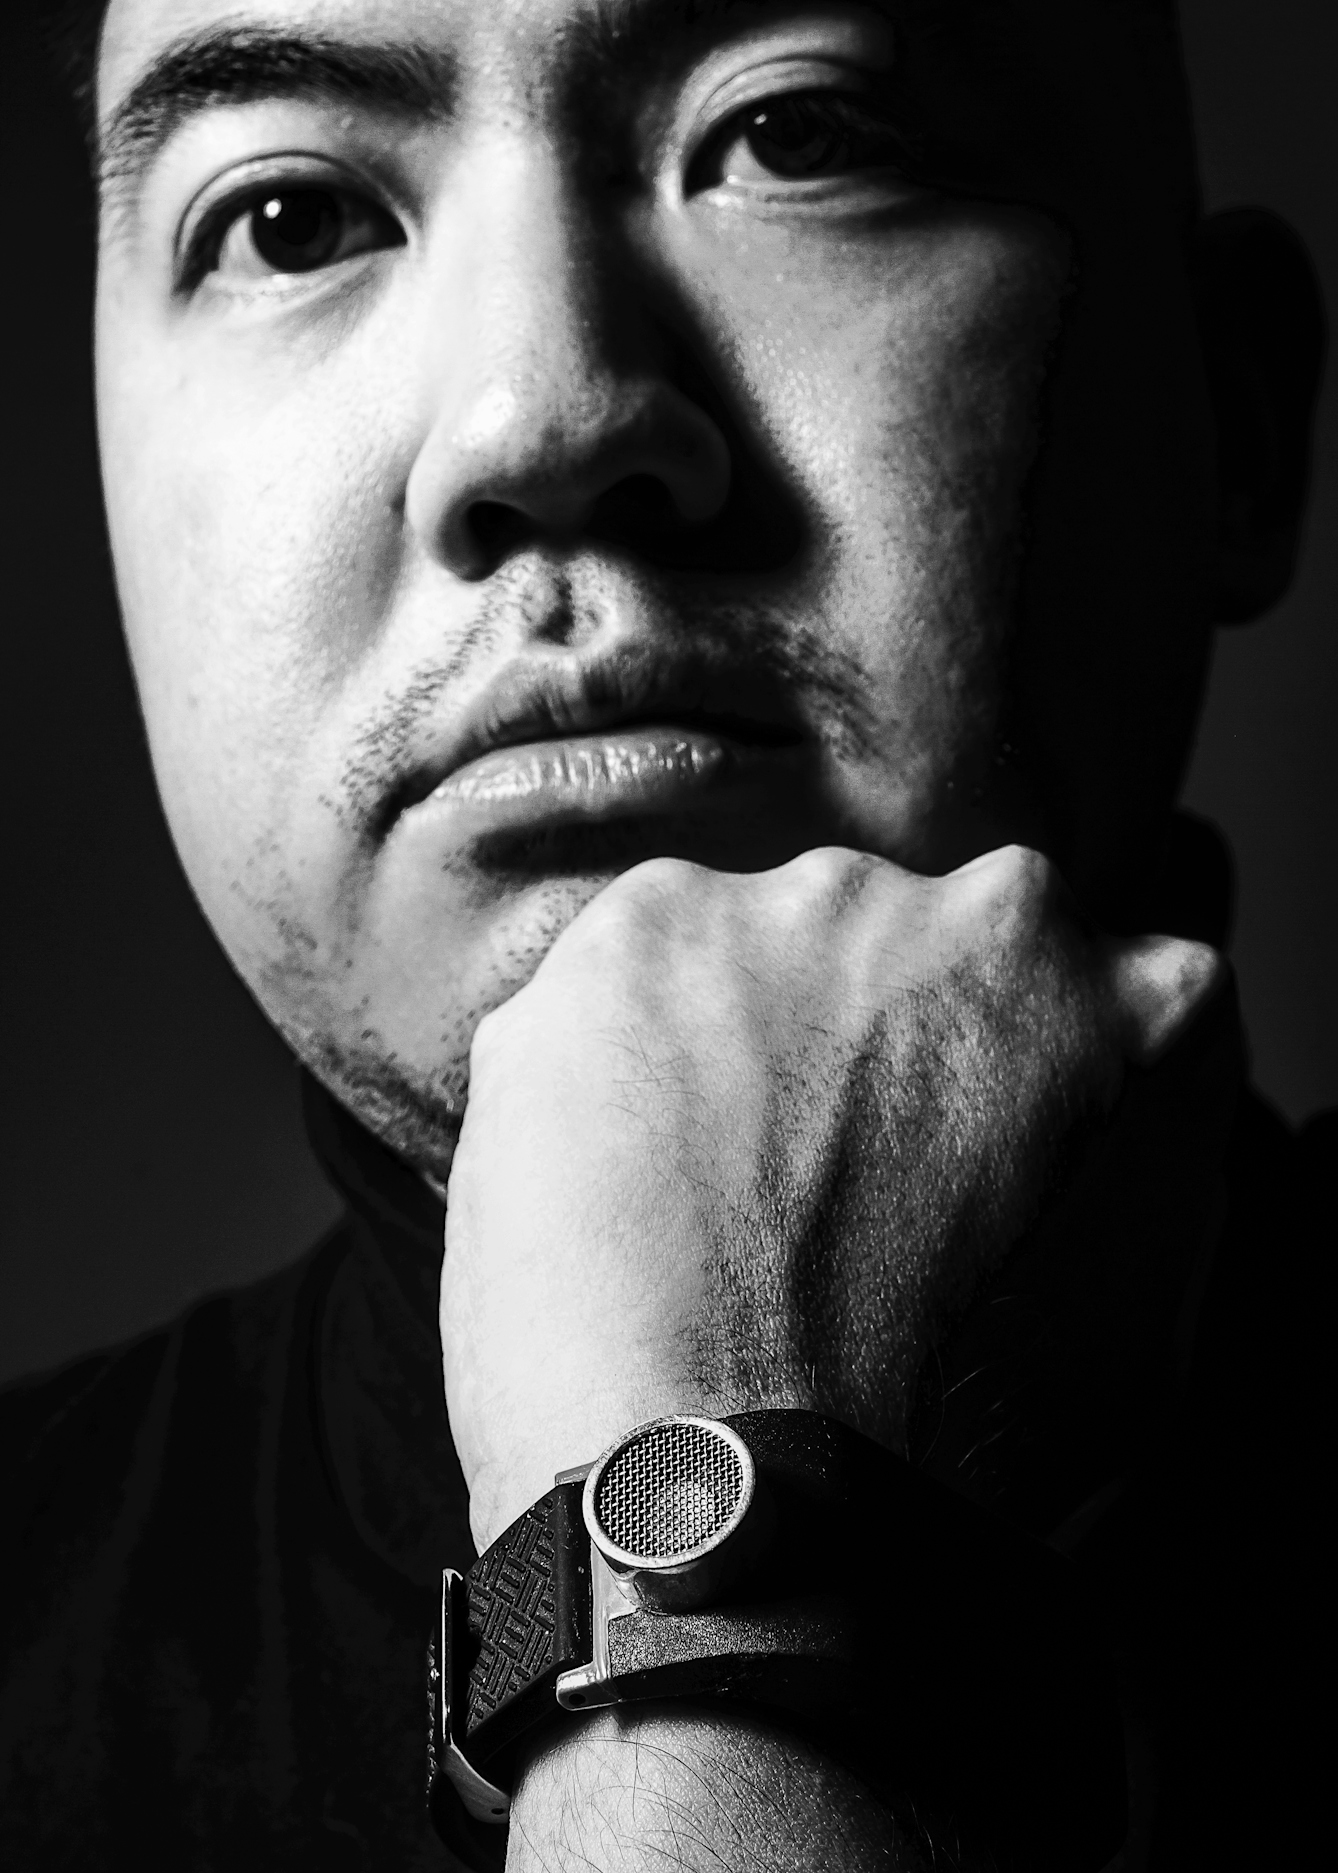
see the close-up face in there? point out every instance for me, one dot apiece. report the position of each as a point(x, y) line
point(542, 436)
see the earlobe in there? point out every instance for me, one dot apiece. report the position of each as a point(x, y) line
point(1261, 317)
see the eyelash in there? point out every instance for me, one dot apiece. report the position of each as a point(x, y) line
point(203, 248)
point(841, 115)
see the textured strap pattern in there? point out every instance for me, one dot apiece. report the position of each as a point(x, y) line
point(512, 1612)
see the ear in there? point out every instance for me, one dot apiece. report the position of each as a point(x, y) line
point(1261, 317)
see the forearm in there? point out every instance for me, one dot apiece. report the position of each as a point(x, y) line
point(668, 1787)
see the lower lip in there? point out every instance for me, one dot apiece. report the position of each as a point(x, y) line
point(602, 778)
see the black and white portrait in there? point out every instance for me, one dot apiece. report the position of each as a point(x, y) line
point(672, 1125)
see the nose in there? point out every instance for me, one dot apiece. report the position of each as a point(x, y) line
point(555, 414)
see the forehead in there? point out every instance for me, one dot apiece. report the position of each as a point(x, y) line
point(1085, 48)
point(139, 29)
point(136, 29)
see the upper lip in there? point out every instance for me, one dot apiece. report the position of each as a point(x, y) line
point(625, 687)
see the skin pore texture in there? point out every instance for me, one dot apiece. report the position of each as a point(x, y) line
point(669, 553)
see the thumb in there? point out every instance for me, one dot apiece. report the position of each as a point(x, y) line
point(1160, 984)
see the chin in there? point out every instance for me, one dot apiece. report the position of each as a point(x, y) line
point(417, 1115)
point(387, 1026)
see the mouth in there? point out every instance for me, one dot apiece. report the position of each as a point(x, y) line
point(638, 739)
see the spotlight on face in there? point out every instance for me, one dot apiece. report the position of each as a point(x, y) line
point(543, 436)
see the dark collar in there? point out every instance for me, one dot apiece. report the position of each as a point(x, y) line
point(381, 1400)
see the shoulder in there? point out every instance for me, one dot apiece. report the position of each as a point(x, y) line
point(197, 1658)
point(1237, 1576)
point(89, 1452)
point(1257, 1373)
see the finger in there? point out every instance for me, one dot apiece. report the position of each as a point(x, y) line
point(1161, 983)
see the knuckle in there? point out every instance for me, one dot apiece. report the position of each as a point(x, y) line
point(634, 915)
point(657, 878)
point(491, 1036)
point(1023, 868)
point(635, 900)
point(1015, 876)
point(1008, 908)
point(827, 895)
point(826, 873)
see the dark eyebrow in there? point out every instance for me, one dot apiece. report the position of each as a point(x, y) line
point(244, 64)
point(241, 65)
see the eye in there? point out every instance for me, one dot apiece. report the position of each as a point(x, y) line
point(798, 137)
point(300, 229)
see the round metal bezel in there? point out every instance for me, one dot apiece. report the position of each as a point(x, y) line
point(626, 1562)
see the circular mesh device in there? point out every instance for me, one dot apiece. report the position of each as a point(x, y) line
point(671, 1488)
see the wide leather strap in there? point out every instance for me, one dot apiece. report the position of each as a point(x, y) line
point(528, 1620)
point(518, 1619)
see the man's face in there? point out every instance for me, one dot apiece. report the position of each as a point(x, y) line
point(547, 434)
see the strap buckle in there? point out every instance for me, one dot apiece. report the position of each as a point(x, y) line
point(482, 1800)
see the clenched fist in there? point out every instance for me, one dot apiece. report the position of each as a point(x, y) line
point(746, 1140)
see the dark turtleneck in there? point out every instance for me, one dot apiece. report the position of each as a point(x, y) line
point(221, 1543)
point(228, 1533)
point(383, 1410)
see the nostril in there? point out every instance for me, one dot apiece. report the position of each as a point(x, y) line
point(639, 507)
point(498, 528)
point(638, 510)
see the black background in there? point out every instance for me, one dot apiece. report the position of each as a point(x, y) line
point(152, 1143)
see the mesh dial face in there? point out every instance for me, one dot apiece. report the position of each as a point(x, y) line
point(671, 1489)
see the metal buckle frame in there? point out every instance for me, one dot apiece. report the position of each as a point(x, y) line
point(482, 1799)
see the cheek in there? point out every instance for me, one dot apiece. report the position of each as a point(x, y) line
point(1128, 469)
point(255, 547)
point(1118, 575)
point(904, 397)
point(921, 388)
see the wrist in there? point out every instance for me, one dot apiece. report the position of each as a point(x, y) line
point(677, 1786)
point(812, 1577)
